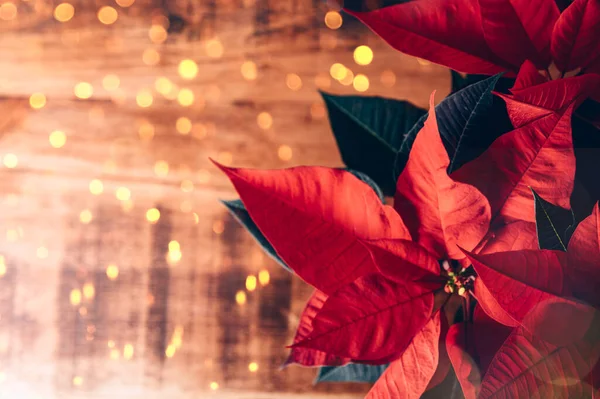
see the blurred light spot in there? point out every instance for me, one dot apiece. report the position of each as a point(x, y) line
point(218, 227)
point(146, 131)
point(170, 351)
point(96, 187)
point(317, 111)
point(174, 246)
point(388, 78)
point(348, 78)
point(240, 297)
point(150, 57)
point(57, 139)
point(187, 186)
point(293, 81)
point(125, 3)
point(83, 311)
point(12, 235)
point(2, 266)
point(284, 152)
point(173, 257)
point(264, 277)
point(196, 218)
point(183, 125)
point(128, 351)
point(363, 55)
point(111, 343)
point(123, 194)
point(361, 83)
point(10, 161)
point(333, 20)
point(83, 90)
point(253, 367)
point(152, 215)
point(214, 386)
point(77, 381)
point(264, 120)
point(64, 12)
point(75, 297)
point(251, 283)
point(161, 168)
point(112, 271)
point(42, 252)
point(188, 69)
point(338, 71)
point(185, 97)
point(203, 176)
point(115, 354)
point(163, 85)
point(214, 48)
point(37, 100)
point(127, 205)
point(157, 34)
point(107, 15)
point(89, 291)
point(144, 98)
point(8, 11)
point(85, 216)
point(225, 157)
point(249, 71)
point(185, 206)
point(322, 81)
point(111, 82)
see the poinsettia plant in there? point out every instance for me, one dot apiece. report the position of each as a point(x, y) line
point(480, 278)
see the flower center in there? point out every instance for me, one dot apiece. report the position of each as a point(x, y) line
point(460, 279)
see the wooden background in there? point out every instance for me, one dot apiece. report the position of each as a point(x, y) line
point(160, 330)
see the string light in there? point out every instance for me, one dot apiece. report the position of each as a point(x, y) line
point(187, 186)
point(251, 283)
point(188, 69)
point(284, 152)
point(8, 11)
point(348, 78)
point(107, 15)
point(264, 277)
point(144, 98)
point(10, 161)
point(75, 297)
point(218, 227)
point(293, 82)
point(112, 271)
point(2, 266)
point(77, 381)
point(183, 125)
point(57, 139)
point(163, 85)
point(85, 216)
point(338, 71)
point(125, 3)
point(89, 291)
point(152, 215)
point(264, 120)
point(161, 168)
point(361, 83)
point(64, 12)
point(111, 82)
point(363, 55)
point(253, 367)
point(333, 20)
point(249, 71)
point(146, 131)
point(96, 187)
point(83, 90)
point(214, 48)
point(157, 34)
point(123, 194)
point(240, 298)
point(214, 386)
point(150, 57)
point(37, 100)
point(42, 252)
point(128, 351)
point(185, 98)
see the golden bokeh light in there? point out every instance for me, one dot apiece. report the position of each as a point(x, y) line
point(161, 168)
point(150, 57)
point(111, 343)
point(186, 206)
point(112, 271)
point(338, 71)
point(96, 187)
point(293, 81)
point(284, 152)
point(249, 70)
point(188, 69)
point(146, 131)
point(158, 34)
point(85, 216)
point(2, 266)
point(203, 176)
point(111, 82)
point(170, 351)
point(37, 100)
point(128, 351)
point(108, 15)
point(173, 257)
point(333, 20)
point(123, 194)
point(78, 381)
point(264, 277)
point(363, 55)
point(64, 12)
point(214, 48)
point(89, 291)
point(42, 252)
point(183, 125)
point(185, 97)
point(8, 11)
point(57, 139)
point(348, 78)
point(75, 297)
point(240, 297)
point(388, 78)
point(174, 245)
point(152, 215)
point(253, 367)
point(83, 90)
point(125, 3)
point(144, 98)
point(218, 227)
point(251, 283)
point(187, 186)
point(361, 83)
point(115, 354)
point(214, 386)
point(163, 85)
point(264, 120)
point(10, 161)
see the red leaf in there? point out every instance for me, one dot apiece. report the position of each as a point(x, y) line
point(315, 218)
point(528, 76)
point(518, 30)
point(535, 102)
point(439, 212)
point(447, 32)
point(403, 260)
point(408, 376)
point(538, 155)
point(584, 258)
point(306, 356)
point(526, 366)
point(575, 42)
point(511, 237)
point(443, 366)
point(371, 320)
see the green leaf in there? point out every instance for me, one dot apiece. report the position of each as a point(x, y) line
point(586, 140)
point(469, 121)
point(552, 224)
point(350, 373)
point(239, 212)
point(369, 131)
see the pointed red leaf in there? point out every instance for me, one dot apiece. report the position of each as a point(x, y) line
point(528, 76)
point(408, 376)
point(307, 356)
point(511, 237)
point(584, 258)
point(517, 30)
point(439, 212)
point(403, 260)
point(444, 365)
point(315, 218)
point(537, 156)
point(446, 32)
point(575, 42)
point(371, 320)
point(526, 366)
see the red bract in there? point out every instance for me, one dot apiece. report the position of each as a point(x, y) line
point(489, 36)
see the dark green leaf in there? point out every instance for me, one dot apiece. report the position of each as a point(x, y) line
point(350, 373)
point(460, 81)
point(552, 223)
point(586, 140)
point(469, 121)
point(369, 131)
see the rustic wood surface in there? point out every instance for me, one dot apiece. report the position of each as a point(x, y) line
point(160, 330)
